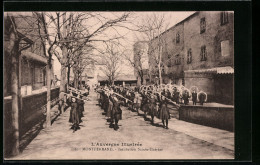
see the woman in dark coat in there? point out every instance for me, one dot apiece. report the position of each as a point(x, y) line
point(116, 113)
point(110, 106)
point(74, 118)
point(152, 108)
point(80, 108)
point(145, 105)
point(164, 112)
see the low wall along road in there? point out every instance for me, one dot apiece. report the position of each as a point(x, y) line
point(32, 112)
point(218, 117)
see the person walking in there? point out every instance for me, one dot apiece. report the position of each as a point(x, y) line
point(74, 118)
point(152, 108)
point(164, 112)
point(145, 105)
point(110, 105)
point(137, 102)
point(116, 113)
point(80, 107)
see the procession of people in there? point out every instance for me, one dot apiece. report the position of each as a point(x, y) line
point(152, 100)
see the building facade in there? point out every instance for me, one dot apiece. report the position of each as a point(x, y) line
point(32, 61)
point(199, 51)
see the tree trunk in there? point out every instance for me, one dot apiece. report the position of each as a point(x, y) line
point(63, 88)
point(160, 74)
point(75, 78)
point(80, 81)
point(15, 109)
point(20, 105)
point(160, 69)
point(48, 76)
point(142, 78)
point(68, 75)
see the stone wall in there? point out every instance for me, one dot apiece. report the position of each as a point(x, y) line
point(217, 117)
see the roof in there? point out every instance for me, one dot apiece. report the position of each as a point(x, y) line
point(34, 57)
point(217, 70)
point(119, 78)
point(126, 78)
point(102, 78)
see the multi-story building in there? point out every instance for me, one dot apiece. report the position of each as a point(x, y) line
point(199, 51)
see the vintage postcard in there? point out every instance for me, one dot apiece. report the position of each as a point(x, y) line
point(119, 85)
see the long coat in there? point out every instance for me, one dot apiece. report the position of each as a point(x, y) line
point(194, 97)
point(116, 112)
point(186, 98)
point(110, 106)
point(80, 107)
point(152, 108)
point(74, 115)
point(145, 104)
point(164, 111)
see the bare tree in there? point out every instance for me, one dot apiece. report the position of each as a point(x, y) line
point(111, 60)
point(81, 61)
point(152, 27)
point(65, 25)
point(43, 32)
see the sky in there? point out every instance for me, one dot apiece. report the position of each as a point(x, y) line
point(172, 18)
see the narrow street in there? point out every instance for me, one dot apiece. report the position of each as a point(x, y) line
point(151, 141)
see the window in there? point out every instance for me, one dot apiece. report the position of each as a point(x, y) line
point(177, 59)
point(202, 25)
point(189, 56)
point(38, 75)
point(224, 17)
point(169, 64)
point(225, 48)
point(203, 53)
point(177, 38)
point(25, 72)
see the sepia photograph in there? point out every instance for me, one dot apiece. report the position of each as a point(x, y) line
point(118, 85)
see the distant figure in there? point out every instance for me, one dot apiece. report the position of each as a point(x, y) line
point(194, 97)
point(202, 98)
point(177, 97)
point(137, 102)
point(186, 97)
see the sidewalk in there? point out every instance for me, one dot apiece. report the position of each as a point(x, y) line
point(35, 130)
point(212, 135)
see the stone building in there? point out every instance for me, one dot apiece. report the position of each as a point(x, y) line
point(199, 51)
